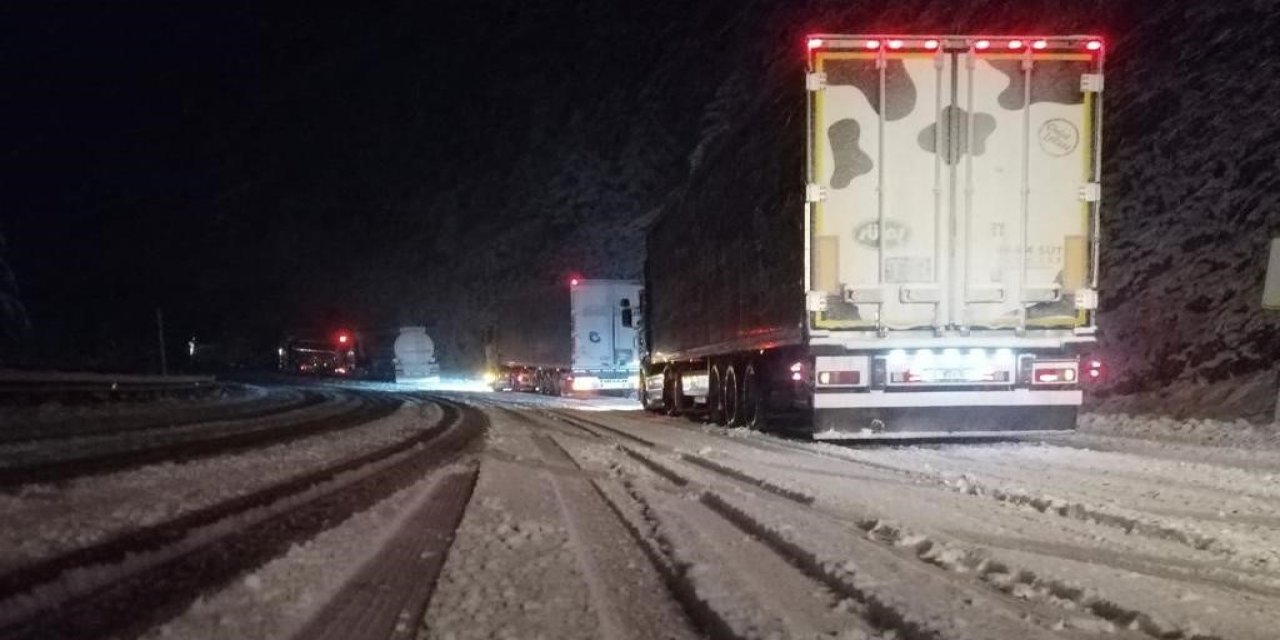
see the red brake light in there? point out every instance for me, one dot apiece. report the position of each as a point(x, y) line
point(873, 44)
point(895, 44)
point(982, 44)
point(1015, 44)
point(931, 44)
point(1039, 44)
point(1093, 45)
point(814, 43)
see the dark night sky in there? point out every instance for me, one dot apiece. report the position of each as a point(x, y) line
point(250, 168)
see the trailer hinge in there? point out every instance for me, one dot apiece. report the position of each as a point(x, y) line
point(1091, 83)
point(816, 301)
point(1090, 192)
point(816, 81)
point(814, 193)
point(1086, 299)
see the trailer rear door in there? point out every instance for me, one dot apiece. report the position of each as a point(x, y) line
point(960, 182)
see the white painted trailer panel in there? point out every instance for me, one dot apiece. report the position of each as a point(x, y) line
point(984, 230)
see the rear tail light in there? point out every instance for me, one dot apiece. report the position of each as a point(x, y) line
point(1054, 373)
point(839, 378)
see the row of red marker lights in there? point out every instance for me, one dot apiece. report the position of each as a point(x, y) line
point(1092, 45)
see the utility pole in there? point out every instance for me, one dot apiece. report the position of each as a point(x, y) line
point(164, 362)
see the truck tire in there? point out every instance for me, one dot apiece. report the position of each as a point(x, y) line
point(731, 397)
point(669, 405)
point(642, 394)
point(715, 399)
point(754, 408)
point(681, 401)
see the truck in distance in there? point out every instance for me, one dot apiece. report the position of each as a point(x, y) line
point(565, 339)
point(907, 248)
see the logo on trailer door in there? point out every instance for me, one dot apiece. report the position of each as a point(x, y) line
point(1059, 137)
point(895, 233)
point(594, 336)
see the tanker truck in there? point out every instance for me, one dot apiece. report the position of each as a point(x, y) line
point(415, 355)
point(901, 241)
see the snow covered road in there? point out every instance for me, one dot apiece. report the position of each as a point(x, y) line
point(590, 519)
point(985, 540)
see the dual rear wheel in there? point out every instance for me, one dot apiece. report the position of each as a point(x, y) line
point(736, 395)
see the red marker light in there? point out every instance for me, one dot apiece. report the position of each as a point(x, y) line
point(1093, 45)
point(342, 338)
point(1015, 44)
point(982, 44)
point(873, 44)
point(1039, 44)
point(931, 44)
point(1093, 369)
point(573, 282)
point(814, 43)
point(895, 44)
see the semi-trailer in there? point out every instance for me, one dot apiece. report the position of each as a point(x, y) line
point(902, 243)
point(565, 339)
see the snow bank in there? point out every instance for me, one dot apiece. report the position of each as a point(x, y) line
point(1251, 397)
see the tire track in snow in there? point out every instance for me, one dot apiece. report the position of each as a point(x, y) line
point(126, 584)
point(593, 531)
point(199, 440)
point(1045, 599)
point(967, 477)
point(592, 587)
point(1175, 530)
point(390, 595)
